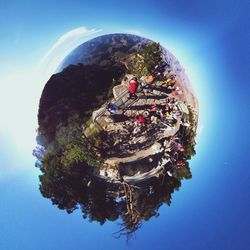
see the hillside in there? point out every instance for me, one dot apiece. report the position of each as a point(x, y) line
point(78, 89)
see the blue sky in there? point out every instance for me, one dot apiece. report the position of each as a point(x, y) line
point(211, 39)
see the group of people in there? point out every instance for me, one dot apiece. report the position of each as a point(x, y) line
point(146, 81)
point(165, 114)
point(173, 152)
point(159, 73)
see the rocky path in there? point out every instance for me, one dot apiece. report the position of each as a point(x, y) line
point(137, 146)
point(140, 154)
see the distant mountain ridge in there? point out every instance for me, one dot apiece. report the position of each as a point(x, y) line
point(105, 50)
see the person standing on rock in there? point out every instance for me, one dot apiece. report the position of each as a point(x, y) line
point(133, 86)
point(147, 81)
point(159, 69)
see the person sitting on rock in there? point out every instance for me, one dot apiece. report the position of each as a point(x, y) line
point(179, 147)
point(139, 119)
point(170, 81)
point(153, 107)
point(133, 85)
point(180, 164)
point(155, 111)
point(172, 102)
point(112, 108)
point(170, 119)
point(146, 81)
point(168, 108)
point(159, 68)
point(176, 145)
point(178, 91)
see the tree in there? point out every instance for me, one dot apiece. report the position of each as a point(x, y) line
point(78, 89)
point(143, 63)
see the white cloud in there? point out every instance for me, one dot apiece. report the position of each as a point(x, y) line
point(19, 100)
point(63, 46)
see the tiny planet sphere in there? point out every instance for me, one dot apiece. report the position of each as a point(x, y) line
point(120, 114)
point(132, 123)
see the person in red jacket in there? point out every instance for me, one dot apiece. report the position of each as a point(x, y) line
point(140, 119)
point(133, 85)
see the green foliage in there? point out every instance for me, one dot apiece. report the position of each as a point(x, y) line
point(65, 164)
point(74, 147)
point(189, 151)
point(88, 122)
point(70, 133)
point(145, 60)
point(78, 89)
point(183, 172)
point(68, 152)
point(71, 186)
point(152, 55)
point(137, 66)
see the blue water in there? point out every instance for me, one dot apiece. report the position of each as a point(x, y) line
point(210, 211)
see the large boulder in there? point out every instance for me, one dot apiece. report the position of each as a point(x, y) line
point(119, 90)
point(123, 87)
point(98, 112)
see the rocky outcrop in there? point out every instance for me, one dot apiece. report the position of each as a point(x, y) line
point(74, 91)
point(98, 112)
point(122, 88)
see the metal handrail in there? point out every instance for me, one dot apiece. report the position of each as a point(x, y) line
point(115, 100)
point(118, 98)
